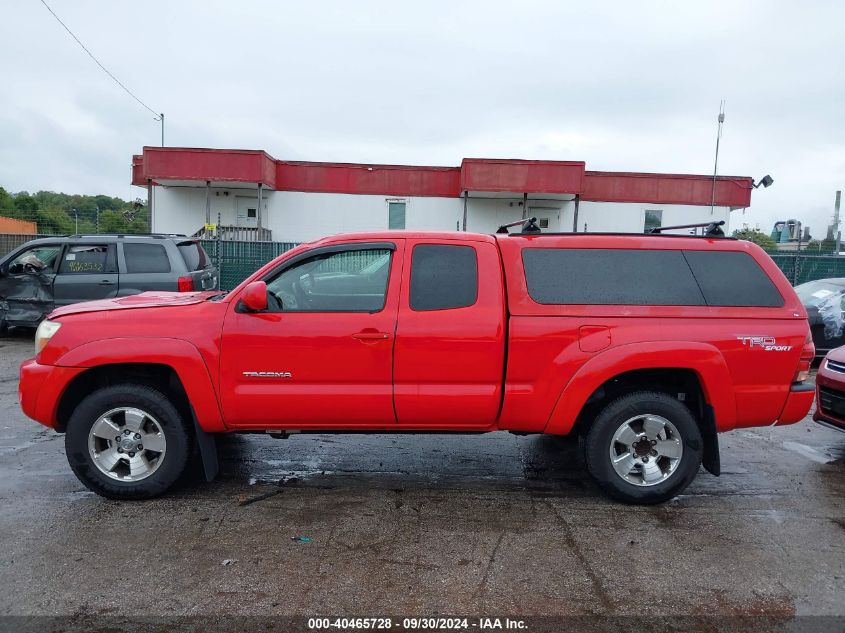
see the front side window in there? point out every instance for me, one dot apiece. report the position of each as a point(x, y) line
point(90, 259)
point(443, 277)
point(37, 259)
point(345, 281)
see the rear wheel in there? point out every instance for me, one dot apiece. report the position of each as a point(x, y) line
point(644, 447)
point(127, 442)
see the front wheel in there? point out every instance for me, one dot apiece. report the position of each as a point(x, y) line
point(644, 448)
point(127, 442)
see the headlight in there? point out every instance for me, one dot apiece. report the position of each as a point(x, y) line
point(44, 333)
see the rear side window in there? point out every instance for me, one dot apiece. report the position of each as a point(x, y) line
point(146, 258)
point(642, 277)
point(733, 279)
point(610, 277)
point(194, 255)
point(443, 277)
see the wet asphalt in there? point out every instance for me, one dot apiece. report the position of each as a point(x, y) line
point(494, 525)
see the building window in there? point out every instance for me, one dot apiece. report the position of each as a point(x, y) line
point(544, 223)
point(653, 219)
point(396, 214)
point(251, 213)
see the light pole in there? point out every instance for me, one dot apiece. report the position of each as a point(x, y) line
point(97, 207)
point(76, 220)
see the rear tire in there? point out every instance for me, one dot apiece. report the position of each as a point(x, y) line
point(104, 442)
point(644, 448)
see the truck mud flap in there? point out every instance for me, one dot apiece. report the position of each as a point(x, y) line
point(710, 460)
point(207, 445)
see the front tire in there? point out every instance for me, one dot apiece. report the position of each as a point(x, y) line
point(127, 442)
point(644, 448)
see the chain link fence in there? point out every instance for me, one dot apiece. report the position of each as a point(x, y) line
point(235, 261)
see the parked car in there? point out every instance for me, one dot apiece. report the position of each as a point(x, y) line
point(824, 300)
point(54, 272)
point(830, 390)
point(645, 345)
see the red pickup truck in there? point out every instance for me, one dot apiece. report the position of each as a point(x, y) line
point(644, 345)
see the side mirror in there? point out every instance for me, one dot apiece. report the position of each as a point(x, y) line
point(254, 296)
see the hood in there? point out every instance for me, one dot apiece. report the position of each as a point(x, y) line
point(143, 300)
point(837, 355)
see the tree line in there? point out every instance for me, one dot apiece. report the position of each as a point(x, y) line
point(62, 213)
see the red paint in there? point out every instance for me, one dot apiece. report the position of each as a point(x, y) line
point(608, 186)
point(475, 174)
point(448, 364)
point(389, 180)
point(179, 163)
point(834, 380)
point(254, 296)
point(337, 380)
point(522, 176)
point(397, 369)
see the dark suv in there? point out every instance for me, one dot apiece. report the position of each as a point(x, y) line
point(53, 272)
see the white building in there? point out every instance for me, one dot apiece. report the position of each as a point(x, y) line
point(251, 195)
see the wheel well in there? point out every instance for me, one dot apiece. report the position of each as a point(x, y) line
point(161, 377)
point(682, 384)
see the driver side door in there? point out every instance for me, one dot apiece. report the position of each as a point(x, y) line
point(320, 356)
point(26, 286)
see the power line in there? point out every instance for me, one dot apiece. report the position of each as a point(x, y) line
point(158, 116)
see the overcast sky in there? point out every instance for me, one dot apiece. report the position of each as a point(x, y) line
point(631, 86)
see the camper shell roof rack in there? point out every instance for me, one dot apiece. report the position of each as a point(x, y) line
point(711, 230)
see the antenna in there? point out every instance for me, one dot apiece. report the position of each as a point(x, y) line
point(716, 162)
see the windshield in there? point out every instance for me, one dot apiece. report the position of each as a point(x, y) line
point(814, 293)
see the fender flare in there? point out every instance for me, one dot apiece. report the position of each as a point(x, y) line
point(704, 359)
point(181, 356)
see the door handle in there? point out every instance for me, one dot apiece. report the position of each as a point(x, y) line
point(106, 282)
point(371, 336)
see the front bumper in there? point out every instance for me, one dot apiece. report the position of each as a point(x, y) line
point(830, 394)
point(40, 389)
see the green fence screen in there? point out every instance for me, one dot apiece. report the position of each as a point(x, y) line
point(236, 261)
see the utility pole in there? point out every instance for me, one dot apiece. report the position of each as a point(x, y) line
point(716, 162)
point(76, 220)
point(836, 221)
point(161, 118)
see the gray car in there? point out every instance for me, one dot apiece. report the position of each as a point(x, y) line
point(52, 272)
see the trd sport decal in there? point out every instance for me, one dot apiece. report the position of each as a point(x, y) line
point(765, 343)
